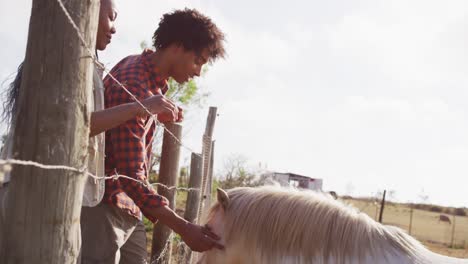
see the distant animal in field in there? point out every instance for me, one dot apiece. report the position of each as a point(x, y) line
point(444, 218)
point(272, 225)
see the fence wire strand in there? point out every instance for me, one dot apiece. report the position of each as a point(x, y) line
point(6, 167)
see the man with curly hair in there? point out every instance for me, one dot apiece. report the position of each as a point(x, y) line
point(113, 231)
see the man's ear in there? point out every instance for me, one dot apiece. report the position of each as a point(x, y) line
point(223, 198)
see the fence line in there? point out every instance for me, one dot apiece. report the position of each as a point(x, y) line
point(5, 163)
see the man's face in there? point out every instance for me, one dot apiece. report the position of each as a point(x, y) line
point(188, 64)
point(107, 16)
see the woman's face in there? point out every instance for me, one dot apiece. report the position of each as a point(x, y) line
point(106, 28)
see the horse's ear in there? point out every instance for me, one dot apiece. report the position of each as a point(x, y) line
point(223, 198)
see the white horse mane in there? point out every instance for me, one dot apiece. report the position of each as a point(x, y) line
point(278, 225)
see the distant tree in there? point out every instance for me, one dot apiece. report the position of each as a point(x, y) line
point(423, 197)
point(391, 194)
point(236, 173)
point(459, 211)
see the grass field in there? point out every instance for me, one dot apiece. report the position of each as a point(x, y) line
point(425, 226)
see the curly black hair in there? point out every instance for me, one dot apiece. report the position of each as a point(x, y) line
point(191, 29)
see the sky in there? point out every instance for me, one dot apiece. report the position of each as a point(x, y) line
point(367, 95)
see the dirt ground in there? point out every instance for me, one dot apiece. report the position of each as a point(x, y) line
point(444, 250)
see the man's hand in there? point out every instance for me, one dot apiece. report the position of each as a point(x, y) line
point(159, 105)
point(200, 238)
point(180, 116)
point(166, 118)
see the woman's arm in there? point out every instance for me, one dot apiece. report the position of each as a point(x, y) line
point(109, 118)
point(103, 120)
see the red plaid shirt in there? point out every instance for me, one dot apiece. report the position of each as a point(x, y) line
point(128, 148)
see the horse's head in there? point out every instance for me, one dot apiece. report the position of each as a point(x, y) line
point(217, 213)
point(215, 221)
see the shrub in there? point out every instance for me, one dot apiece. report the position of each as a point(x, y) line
point(435, 208)
point(459, 211)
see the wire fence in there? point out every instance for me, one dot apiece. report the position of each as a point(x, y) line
point(427, 226)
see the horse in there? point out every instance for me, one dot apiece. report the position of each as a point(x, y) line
point(273, 225)
point(444, 218)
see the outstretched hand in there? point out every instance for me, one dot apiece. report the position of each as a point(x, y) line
point(200, 238)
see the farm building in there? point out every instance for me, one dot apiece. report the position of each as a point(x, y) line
point(295, 180)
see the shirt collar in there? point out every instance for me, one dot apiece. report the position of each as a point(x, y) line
point(154, 71)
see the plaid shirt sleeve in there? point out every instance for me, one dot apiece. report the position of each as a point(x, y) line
point(128, 146)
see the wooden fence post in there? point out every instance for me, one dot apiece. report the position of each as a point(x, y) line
point(198, 180)
point(168, 172)
point(411, 220)
point(194, 195)
point(209, 185)
point(52, 127)
point(193, 198)
point(210, 122)
point(376, 209)
point(453, 232)
point(382, 206)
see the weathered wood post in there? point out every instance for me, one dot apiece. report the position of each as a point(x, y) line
point(411, 220)
point(193, 198)
point(168, 172)
point(382, 205)
point(52, 127)
point(209, 185)
point(376, 209)
point(194, 195)
point(452, 240)
point(198, 180)
point(206, 153)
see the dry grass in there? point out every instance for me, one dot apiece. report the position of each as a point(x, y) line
point(425, 226)
point(444, 250)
